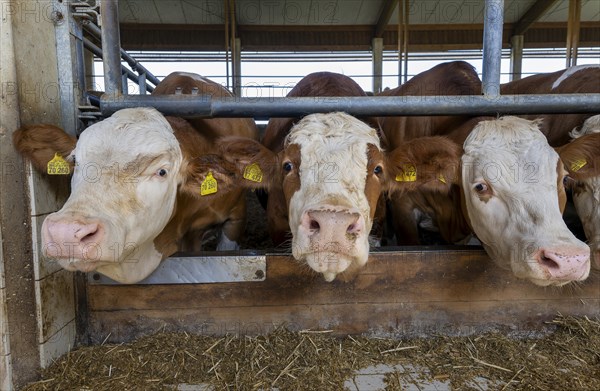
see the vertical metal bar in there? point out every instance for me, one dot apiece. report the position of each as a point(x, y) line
point(124, 83)
point(111, 46)
point(142, 83)
point(67, 33)
point(492, 46)
point(237, 68)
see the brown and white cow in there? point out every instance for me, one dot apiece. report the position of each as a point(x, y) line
point(137, 185)
point(583, 162)
point(318, 85)
point(579, 79)
point(512, 181)
point(330, 173)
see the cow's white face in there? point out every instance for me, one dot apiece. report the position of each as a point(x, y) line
point(510, 180)
point(325, 164)
point(586, 196)
point(124, 188)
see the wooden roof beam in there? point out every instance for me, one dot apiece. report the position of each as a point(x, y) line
point(539, 8)
point(384, 17)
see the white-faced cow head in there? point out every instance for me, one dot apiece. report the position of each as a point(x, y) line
point(513, 187)
point(126, 174)
point(331, 172)
point(582, 160)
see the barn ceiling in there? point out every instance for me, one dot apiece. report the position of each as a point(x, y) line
point(342, 24)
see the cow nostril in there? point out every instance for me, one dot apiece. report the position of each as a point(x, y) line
point(548, 262)
point(351, 228)
point(314, 225)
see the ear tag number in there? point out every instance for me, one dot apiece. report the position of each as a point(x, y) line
point(578, 164)
point(58, 166)
point(408, 174)
point(253, 173)
point(209, 185)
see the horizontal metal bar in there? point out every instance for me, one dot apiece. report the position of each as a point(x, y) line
point(200, 269)
point(260, 108)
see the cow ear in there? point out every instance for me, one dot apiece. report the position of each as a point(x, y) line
point(255, 165)
point(581, 156)
point(40, 144)
point(429, 162)
point(209, 175)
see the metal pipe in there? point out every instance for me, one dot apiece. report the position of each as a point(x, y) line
point(111, 45)
point(260, 108)
point(89, 45)
point(492, 46)
point(133, 63)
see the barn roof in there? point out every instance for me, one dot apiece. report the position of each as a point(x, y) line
point(326, 25)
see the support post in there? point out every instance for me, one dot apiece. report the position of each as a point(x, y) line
point(377, 47)
point(237, 67)
point(516, 57)
point(111, 46)
point(573, 27)
point(492, 46)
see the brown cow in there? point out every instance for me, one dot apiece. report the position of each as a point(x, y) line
point(409, 209)
point(139, 185)
point(330, 175)
point(318, 85)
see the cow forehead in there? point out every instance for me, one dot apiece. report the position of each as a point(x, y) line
point(127, 135)
point(509, 144)
point(334, 130)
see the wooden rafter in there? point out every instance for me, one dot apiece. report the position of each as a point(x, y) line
point(384, 17)
point(536, 11)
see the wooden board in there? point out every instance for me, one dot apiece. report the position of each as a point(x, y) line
point(403, 293)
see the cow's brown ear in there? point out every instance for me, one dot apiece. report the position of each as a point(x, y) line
point(209, 175)
point(40, 144)
point(581, 156)
point(255, 165)
point(430, 162)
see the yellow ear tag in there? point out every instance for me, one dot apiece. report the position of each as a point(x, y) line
point(577, 164)
point(209, 185)
point(408, 174)
point(441, 179)
point(253, 173)
point(58, 166)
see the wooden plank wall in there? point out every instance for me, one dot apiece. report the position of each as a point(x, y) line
point(416, 292)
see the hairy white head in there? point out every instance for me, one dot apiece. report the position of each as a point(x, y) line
point(124, 186)
point(512, 183)
point(586, 189)
point(330, 213)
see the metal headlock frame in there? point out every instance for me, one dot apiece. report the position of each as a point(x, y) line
point(490, 103)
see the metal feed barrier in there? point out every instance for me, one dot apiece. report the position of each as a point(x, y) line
point(198, 105)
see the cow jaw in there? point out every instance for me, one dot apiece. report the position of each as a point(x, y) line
point(120, 199)
point(329, 213)
point(509, 180)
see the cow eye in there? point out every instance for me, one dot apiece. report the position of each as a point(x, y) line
point(481, 187)
point(378, 170)
point(567, 181)
point(287, 166)
point(161, 173)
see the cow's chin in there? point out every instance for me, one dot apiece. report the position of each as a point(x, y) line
point(330, 264)
point(80, 265)
point(540, 277)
